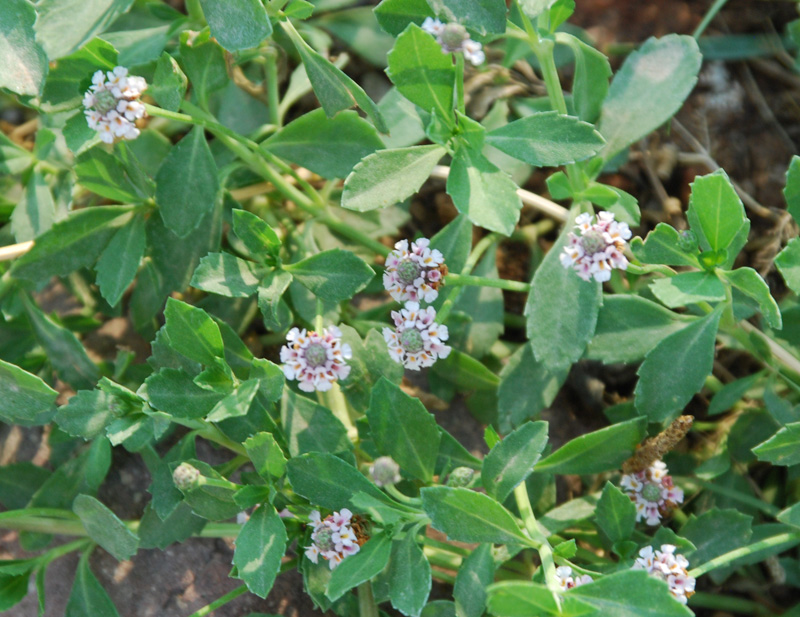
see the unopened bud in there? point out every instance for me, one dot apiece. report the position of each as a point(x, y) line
point(186, 477)
point(384, 471)
point(460, 476)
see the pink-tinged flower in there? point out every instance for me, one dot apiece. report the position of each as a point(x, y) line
point(454, 38)
point(414, 273)
point(598, 249)
point(316, 360)
point(333, 538)
point(567, 581)
point(652, 492)
point(112, 104)
point(668, 567)
point(417, 340)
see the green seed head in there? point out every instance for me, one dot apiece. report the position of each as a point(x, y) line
point(412, 340)
point(408, 272)
point(454, 36)
point(316, 355)
point(651, 492)
point(105, 101)
point(186, 477)
point(324, 540)
point(593, 242)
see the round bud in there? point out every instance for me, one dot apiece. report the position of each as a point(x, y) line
point(384, 471)
point(460, 476)
point(186, 477)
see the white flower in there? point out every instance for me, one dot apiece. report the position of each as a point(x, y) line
point(414, 273)
point(599, 248)
point(669, 567)
point(315, 360)
point(454, 38)
point(567, 581)
point(112, 104)
point(333, 538)
point(652, 492)
point(417, 340)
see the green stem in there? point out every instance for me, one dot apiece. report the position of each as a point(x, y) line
point(195, 11)
point(210, 608)
point(366, 601)
point(536, 535)
point(394, 492)
point(460, 102)
point(446, 546)
point(474, 257)
point(712, 13)
point(212, 433)
point(348, 231)
point(482, 281)
point(273, 92)
point(766, 508)
point(334, 400)
point(724, 560)
point(729, 604)
point(59, 551)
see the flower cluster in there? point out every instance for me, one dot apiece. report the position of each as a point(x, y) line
point(414, 273)
point(112, 104)
point(652, 491)
point(454, 38)
point(417, 340)
point(333, 538)
point(568, 581)
point(599, 248)
point(316, 360)
point(669, 567)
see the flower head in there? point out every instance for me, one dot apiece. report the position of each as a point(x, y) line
point(186, 477)
point(316, 360)
point(598, 249)
point(454, 38)
point(112, 104)
point(669, 567)
point(652, 492)
point(384, 471)
point(333, 538)
point(567, 581)
point(414, 273)
point(417, 340)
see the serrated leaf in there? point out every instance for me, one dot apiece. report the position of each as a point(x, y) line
point(169, 83)
point(192, 332)
point(716, 214)
point(103, 174)
point(237, 24)
point(237, 403)
point(783, 448)
point(88, 413)
point(260, 547)
point(592, 71)
point(630, 593)
point(333, 275)
point(228, 275)
point(174, 392)
point(105, 528)
point(119, 262)
point(512, 460)
point(266, 455)
point(27, 400)
point(750, 283)
point(259, 238)
point(688, 288)
point(310, 427)
point(616, 514)
point(663, 246)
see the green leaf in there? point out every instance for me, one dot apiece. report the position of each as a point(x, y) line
point(102, 173)
point(616, 514)
point(186, 184)
point(23, 63)
point(335, 90)
point(192, 332)
point(72, 243)
point(422, 73)
point(592, 70)
point(630, 593)
point(474, 576)
point(547, 139)
point(105, 528)
point(716, 214)
point(215, 503)
point(688, 288)
point(173, 391)
point(364, 565)
point(19, 482)
point(36, 211)
point(782, 448)
point(266, 455)
point(715, 533)
point(409, 576)
point(454, 241)
point(466, 373)
point(260, 547)
point(791, 191)
point(524, 373)
point(13, 159)
point(664, 245)
point(647, 91)
point(561, 311)
point(88, 413)
point(788, 263)
point(69, 79)
point(118, 263)
point(328, 481)
point(330, 147)
point(277, 316)
point(595, 452)
point(237, 24)
point(483, 16)
point(310, 427)
point(13, 588)
point(467, 516)
point(237, 403)
point(750, 283)
point(333, 275)
point(628, 327)
point(27, 400)
point(228, 275)
point(403, 429)
point(512, 460)
point(65, 25)
point(675, 369)
point(395, 15)
point(88, 596)
point(526, 599)
point(204, 63)
point(487, 195)
point(387, 177)
point(169, 83)
point(259, 238)
point(731, 393)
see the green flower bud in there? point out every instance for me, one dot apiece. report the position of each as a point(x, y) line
point(384, 471)
point(460, 476)
point(186, 477)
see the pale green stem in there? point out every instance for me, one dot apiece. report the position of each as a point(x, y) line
point(727, 558)
point(228, 597)
point(712, 13)
point(334, 400)
point(394, 492)
point(482, 281)
point(474, 257)
point(195, 11)
point(273, 92)
point(460, 102)
point(366, 601)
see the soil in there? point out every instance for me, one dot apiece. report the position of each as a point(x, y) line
point(743, 115)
